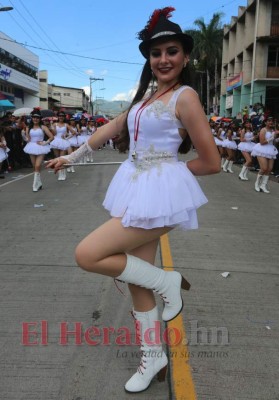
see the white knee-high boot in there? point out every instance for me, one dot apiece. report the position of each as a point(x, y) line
point(37, 184)
point(246, 174)
point(229, 167)
point(63, 174)
point(263, 184)
point(39, 181)
point(225, 166)
point(153, 359)
point(258, 182)
point(166, 284)
point(242, 173)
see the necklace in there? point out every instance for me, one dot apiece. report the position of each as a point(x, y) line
point(138, 115)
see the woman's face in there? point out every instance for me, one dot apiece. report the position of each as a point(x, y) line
point(167, 60)
point(36, 120)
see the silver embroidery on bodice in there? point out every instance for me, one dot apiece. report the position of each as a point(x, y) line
point(150, 158)
point(159, 108)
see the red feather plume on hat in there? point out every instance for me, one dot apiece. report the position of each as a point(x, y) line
point(145, 33)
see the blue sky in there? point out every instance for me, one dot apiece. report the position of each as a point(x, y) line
point(94, 31)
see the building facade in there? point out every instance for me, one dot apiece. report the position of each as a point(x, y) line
point(250, 61)
point(61, 97)
point(19, 81)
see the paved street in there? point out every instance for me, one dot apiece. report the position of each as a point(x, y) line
point(231, 323)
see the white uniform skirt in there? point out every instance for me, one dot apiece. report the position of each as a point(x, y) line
point(265, 150)
point(60, 144)
point(151, 196)
point(246, 146)
point(82, 139)
point(35, 149)
point(218, 142)
point(4, 154)
point(229, 144)
point(73, 141)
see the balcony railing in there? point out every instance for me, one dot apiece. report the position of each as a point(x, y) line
point(272, 72)
point(274, 30)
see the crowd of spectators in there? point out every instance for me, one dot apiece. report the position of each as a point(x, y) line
point(14, 127)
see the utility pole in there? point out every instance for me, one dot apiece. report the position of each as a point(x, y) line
point(91, 93)
point(215, 85)
point(254, 53)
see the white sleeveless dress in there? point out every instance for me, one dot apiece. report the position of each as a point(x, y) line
point(248, 145)
point(220, 142)
point(36, 135)
point(230, 144)
point(265, 150)
point(156, 189)
point(73, 140)
point(83, 136)
point(58, 142)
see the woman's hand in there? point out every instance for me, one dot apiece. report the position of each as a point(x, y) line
point(56, 164)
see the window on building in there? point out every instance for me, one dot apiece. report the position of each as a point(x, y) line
point(18, 64)
point(43, 80)
point(273, 56)
point(43, 99)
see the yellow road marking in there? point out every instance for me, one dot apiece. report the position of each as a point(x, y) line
point(182, 381)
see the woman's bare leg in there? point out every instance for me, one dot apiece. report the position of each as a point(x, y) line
point(103, 250)
point(38, 162)
point(263, 165)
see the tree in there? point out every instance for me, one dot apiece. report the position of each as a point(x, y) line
point(208, 48)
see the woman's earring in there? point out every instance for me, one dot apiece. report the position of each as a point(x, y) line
point(153, 82)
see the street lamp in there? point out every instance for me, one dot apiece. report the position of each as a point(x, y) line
point(6, 8)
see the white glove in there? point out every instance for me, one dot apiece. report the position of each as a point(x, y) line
point(79, 154)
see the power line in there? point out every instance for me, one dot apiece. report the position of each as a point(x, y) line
point(36, 34)
point(49, 38)
point(72, 54)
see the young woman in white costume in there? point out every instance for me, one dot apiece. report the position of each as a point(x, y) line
point(266, 153)
point(60, 144)
point(37, 147)
point(152, 192)
point(246, 146)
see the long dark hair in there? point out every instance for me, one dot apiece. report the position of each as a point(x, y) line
point(31, 123)
point(185, 78)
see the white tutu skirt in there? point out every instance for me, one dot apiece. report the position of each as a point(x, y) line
point(36, 149)
point(60, 144)
point(73, 141)
point(218, 142)
point(265, 150)
point(82, 139)
point(246, 146)
point(229, 144)
point(4, 154)
point(164, 195)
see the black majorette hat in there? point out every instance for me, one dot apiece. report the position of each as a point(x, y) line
point(159, 26)
point(36, 113)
